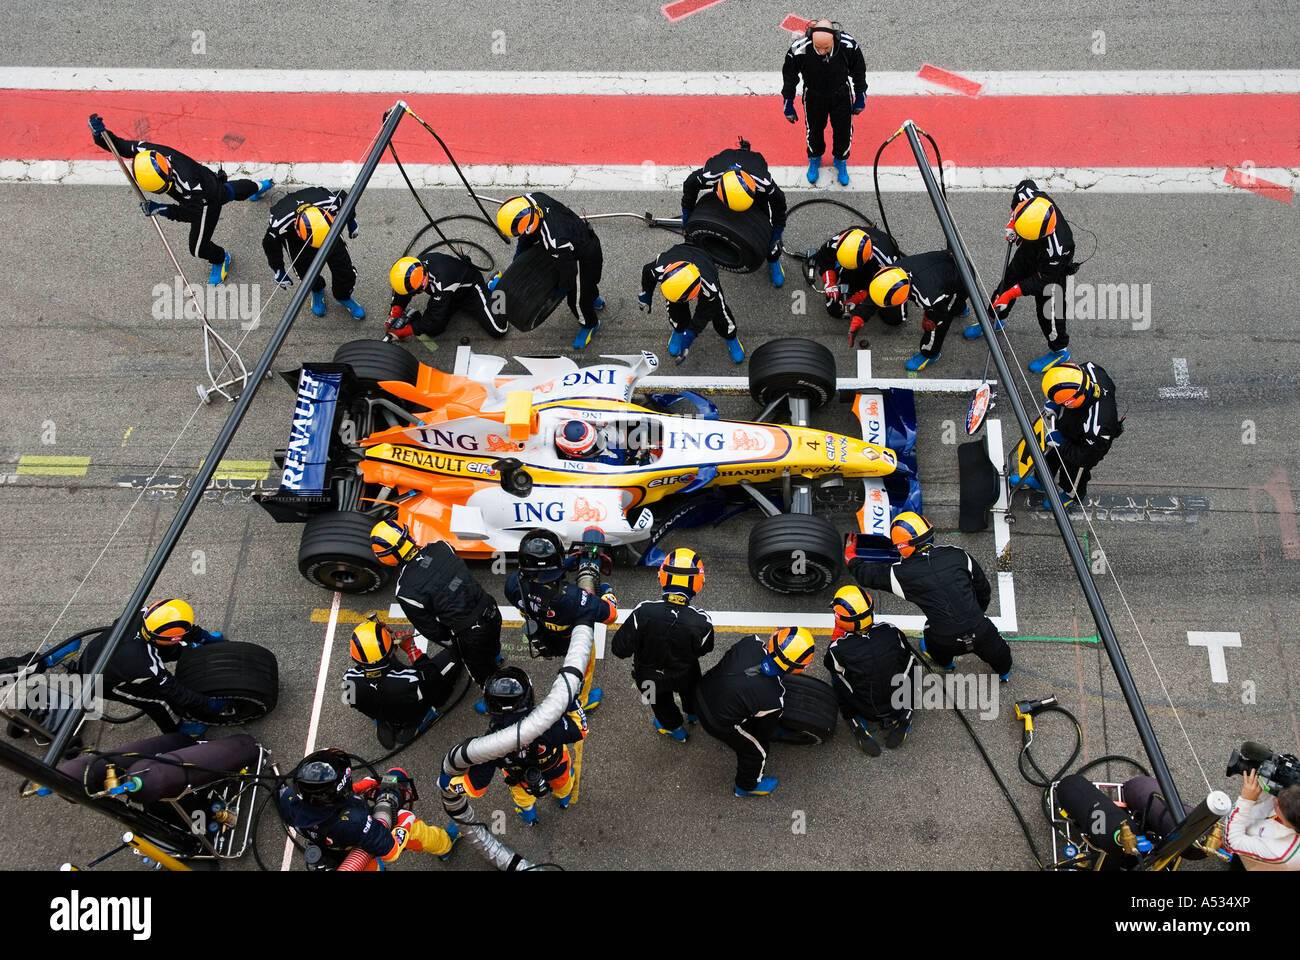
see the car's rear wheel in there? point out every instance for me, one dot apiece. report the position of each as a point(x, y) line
point(737, 242)
point(794, 553)
point(244, 673)
point(335, 553)
point(792, 365)
point(810, 711)
point(376, 360)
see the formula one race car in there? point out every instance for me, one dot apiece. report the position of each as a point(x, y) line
point(474, 460)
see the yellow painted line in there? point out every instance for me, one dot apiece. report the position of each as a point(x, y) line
point(37, 466)
point(240, 469)
point(322, 615)
point(127, 436)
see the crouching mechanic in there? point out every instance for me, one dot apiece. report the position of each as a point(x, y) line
point(846, 263)
point(1044, 257)
point(1080, 422)
point(867, 662)
point(741, 697)
point(932, 282)
point(199, 192)
point(452, 283)
point(949, 587)
point(299, 223)
point(537, 218)
point(137, 672)
point(326, 808)
point(441, 598)
point(740, 178)
point(665, 639)
point(534, 769)
point(685, 273)
point(401, 702)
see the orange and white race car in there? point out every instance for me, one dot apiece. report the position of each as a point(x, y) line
point(474, 460)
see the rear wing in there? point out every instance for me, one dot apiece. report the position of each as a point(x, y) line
point(313, 443)
point(887, 418)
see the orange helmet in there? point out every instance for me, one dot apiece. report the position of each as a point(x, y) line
point(910, 531)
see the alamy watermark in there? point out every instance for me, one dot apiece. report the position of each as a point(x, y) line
point(918, 690)
point(42, 692)
point(225, 301)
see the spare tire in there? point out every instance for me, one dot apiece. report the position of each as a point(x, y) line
point(375, 360)
point(795, 553)
point(792, 365)
point(737, 242)
point(243, 673)
point(811, 710)
point(527, 288)
point(335, 553)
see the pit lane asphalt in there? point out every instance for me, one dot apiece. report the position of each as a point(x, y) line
point(94, 362)
point(84, 352)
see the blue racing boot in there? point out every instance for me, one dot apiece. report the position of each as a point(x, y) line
point(926, 653)
point(218, 272)
point(866, 742)
point(736, 349)
point(1050, 359)
point(481, 707)
point(778, 274)
point(492, 284)
point(529, 815)
point(975, 331)
point(318, 303)
point(692, 718)
point(583, 336)
point(898, 732)
point(814, 163)
point(675, 343)
point(563, 802)
point(761, 789)
point(678, 735)
point(262, 187)
point(920, 361)
point(599, 303)
point(354, 308)
point(1030, 481)
point(453, 834)
point(842, 168)
point(1005, 677)
point(193, 728)
point(594, 696)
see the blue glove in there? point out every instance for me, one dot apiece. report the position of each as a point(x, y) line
point(96, 123)
point(859, 103)
point(492, 284)
point(283, 279)
point(789, 112)
point(644, 302)
point(1051, 409)
point(606, 589)
point(217, 704)
point(193, 728)
point(353, 229)
point(151, 207)
point(216, 636)
point(1054, 439)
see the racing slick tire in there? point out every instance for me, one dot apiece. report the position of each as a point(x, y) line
point(792, 365)
point(737, 242)
point(375, 360)
point(335, 553)
point(244, 673)
point(810, 712)
point(795, 553)
point(528, 288)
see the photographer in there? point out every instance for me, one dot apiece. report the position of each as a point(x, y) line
point(1263, 834)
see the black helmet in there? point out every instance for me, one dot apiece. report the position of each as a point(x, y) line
point(541, 555)
point(323, 779)
point(508, 692)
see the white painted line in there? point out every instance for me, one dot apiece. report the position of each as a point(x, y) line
point(855, 384)
point(1214, 642)
point(999, 83)
point(1184, 389)
point(322, 677)
point(1007, 619)
point(864, 364)
point(654, 179)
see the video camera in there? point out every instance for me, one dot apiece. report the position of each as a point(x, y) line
point(1277, 771)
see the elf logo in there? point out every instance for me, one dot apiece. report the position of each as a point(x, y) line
point(77, 914)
